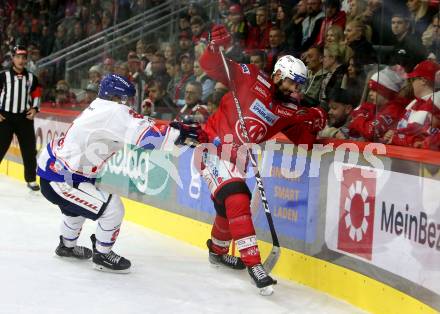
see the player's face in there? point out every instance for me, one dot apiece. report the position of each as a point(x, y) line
point(288, 87)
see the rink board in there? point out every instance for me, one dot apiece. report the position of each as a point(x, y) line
point(356, 288)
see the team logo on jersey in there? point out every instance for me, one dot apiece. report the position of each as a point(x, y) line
point(257, 130)
point(263, 81)
point(260, 90)
point(245, 69)
point(284, 112)
point(265, 114)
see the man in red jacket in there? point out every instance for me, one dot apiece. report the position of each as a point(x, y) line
point(267, 108)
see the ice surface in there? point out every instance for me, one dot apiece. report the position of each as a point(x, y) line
point(168, 276)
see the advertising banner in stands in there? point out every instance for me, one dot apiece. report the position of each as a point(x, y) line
point(386, 218)
point(293, 197)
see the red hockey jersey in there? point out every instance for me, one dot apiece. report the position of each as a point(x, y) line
point(264, 115)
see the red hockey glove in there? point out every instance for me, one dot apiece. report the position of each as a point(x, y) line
point(190, 134)
point(220, 37)
point(315, 117)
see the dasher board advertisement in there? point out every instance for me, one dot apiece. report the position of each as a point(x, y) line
point(385, 218)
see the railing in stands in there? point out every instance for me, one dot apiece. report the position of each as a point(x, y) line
point(101, 37)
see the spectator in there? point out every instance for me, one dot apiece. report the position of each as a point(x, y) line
point(421, 16)
point(237, 25)
point(223, 10)
point(94, 25)
point(311, 25)
point(206, 82)
point(187, 75)
point(294, 28)
point(333, 16)
point(137, 77)
point(415, 52)
point(64, 97)
point(356, 10)
point(332, 62)
point(46, 41)
point(35, 55)
point(354, 80)
point(283, 17)
point(382, 110)
point(77, 34)
point(107, 66)
point(173, 70)
point(91, 92)
point(258, 37)
point(185, 44)
point(415, 129)
point(158, 104)
point(158, 69)
point(258, 58)
point(95, 74)
point(276, 47)
point(194, 110)
point(169, 52)
point(335, 35)
point(147, 53)
point(121, 68)
point(107, 20)
point(60, 39)
point(184, 23)
point(341, 105)
point(357, 43)
point(199, 30)
point(431, 38)
point(377, 15)
point(316, 74)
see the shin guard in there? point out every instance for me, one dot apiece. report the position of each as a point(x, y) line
point(242, 227)
point(220, 235)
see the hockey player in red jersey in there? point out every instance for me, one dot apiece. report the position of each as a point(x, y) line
point(267, 108)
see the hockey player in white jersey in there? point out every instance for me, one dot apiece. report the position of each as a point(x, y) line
point(69, 166)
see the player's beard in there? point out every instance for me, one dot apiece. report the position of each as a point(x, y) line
point(281, 96)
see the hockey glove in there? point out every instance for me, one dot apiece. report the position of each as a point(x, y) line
point(190, 134)
point(220, 37)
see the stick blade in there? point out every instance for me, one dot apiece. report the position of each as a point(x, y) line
point(272, 259)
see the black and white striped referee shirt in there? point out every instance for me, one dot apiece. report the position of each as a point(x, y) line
point(19, 91)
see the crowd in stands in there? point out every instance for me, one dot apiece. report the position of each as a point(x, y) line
point(373, 64)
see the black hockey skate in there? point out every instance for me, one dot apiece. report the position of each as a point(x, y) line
point(225, 259)
point(79, 252)
point(261, 279)
point(110, 262)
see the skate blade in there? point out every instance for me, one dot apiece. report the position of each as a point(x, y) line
point(108, 270)
point(266, 291)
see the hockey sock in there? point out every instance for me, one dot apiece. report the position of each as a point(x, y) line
point(220, 236)
point(242, 228)
point(107, 230)
point(70, 229)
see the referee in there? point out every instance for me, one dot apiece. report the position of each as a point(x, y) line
point(19, 101)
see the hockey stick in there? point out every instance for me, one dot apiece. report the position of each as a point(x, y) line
point(274, 254)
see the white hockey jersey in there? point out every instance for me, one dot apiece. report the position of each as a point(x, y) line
point(99, 132)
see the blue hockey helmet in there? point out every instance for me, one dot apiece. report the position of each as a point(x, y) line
point(116, 85)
